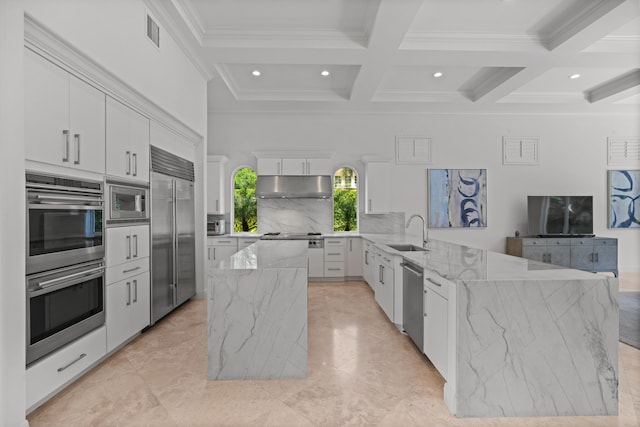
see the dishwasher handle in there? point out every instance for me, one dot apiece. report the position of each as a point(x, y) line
point(412, 269)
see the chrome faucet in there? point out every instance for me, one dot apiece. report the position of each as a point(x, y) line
point(425, 232)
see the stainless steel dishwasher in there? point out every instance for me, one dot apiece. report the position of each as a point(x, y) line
point(413, 303)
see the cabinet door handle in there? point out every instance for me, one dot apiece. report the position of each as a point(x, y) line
point(134, 156)
point(549, 258)
point(79, 358)
point(131, 269)
point(350, 245)
point(214, 253)
point(597, 258)
point(77, 138)
point(333, 253)
point(135, 290)
point(65, 145)
point(308, 168)
point(369, 205)
point(303, 169)
point(279, 168)
point(366, 257)
point(128, 293)
point(591, 257)
point(135, 245)
point(209, 253)
point(128, 240)
point(333, 269)
point(128, 171)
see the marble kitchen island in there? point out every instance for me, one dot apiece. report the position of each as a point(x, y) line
point(523, 338)
point(257, 313)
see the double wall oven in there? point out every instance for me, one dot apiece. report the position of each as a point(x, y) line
point(65, 282)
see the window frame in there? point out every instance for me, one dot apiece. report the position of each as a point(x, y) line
point(232, 209)
point(358, 195)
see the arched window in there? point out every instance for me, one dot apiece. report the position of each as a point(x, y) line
point(345, 200)
point(245, 207)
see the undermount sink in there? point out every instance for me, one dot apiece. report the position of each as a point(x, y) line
point(407, 248)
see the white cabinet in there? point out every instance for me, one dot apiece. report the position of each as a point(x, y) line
point(125, 244)
point(127, 142)
point(354, 257)
point(127, 308)
point(51, 373)
point(334, 255)
point(220, 248)
point(385, 284)
point(215, 184)
point(368, 263)
point(64, 117)
point(436, 322)
point(128, 304)
point(377, 187)
point(294, 166)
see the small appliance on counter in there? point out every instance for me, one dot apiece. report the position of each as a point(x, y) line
point(215, 225)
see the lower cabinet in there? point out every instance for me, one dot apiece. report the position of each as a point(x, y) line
point(436, 323)
point(334, 256)
point(367, 262)
point(128, 308)
point(595, 254)
point(50, 374)
point(354, 257)
point(219, 248)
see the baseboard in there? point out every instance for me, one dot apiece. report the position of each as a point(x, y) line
point(629, 269)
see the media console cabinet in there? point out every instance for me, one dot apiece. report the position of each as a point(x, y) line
point(594, 254)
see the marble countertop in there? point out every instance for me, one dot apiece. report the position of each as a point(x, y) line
point(459, 262)
point(267, 254)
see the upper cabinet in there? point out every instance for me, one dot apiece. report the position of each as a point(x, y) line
point(215, 184)
point(64, 117)
point(295, 163)
point(127, 142)
point(377, 187)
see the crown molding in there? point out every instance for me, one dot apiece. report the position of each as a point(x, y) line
point(470, 41)
point(191, 18)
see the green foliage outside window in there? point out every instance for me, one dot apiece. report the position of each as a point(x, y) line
point(245, 207)
point(345, 201)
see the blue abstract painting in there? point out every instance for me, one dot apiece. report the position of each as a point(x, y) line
point(624, 199)
point(457, 198)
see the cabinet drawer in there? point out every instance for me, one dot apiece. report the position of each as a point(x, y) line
point(334, 242)
point(533, 242)
point(437, 284)
point(558, 242)
point(51, 373)
point(605, 242)
point(334, 253)
point(582, 242)
point(333, 269)
point(230, 241)
point(243, 243)
point(120, 272)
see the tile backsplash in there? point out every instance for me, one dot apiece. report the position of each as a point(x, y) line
point(391, 223)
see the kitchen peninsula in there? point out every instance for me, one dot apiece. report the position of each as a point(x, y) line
point(257, 313)
point(523, 338)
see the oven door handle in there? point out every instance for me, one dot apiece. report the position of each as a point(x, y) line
point(63, 198)
point(53, 282)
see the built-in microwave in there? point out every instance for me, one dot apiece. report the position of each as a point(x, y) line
point(127, 203)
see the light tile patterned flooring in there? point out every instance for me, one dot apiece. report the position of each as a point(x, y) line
point(362, 372)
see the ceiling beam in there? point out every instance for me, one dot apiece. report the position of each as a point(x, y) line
point(586, 25)
point(390, 26)
point(620, 84)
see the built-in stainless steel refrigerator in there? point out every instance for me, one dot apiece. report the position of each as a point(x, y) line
point(173, 278)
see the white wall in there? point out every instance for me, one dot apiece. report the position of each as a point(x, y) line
point(112, 33)
point(12, 219)
point(573, 159)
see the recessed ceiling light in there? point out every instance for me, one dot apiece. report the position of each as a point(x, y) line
point(574, 76)
point(325, 73)
point(437, 74)
point(256, 73)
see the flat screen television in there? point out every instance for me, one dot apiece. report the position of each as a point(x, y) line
point(560, 216)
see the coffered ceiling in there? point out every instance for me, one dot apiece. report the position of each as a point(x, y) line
point(383, 55)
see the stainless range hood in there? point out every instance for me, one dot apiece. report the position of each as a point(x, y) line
point(294, 187)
